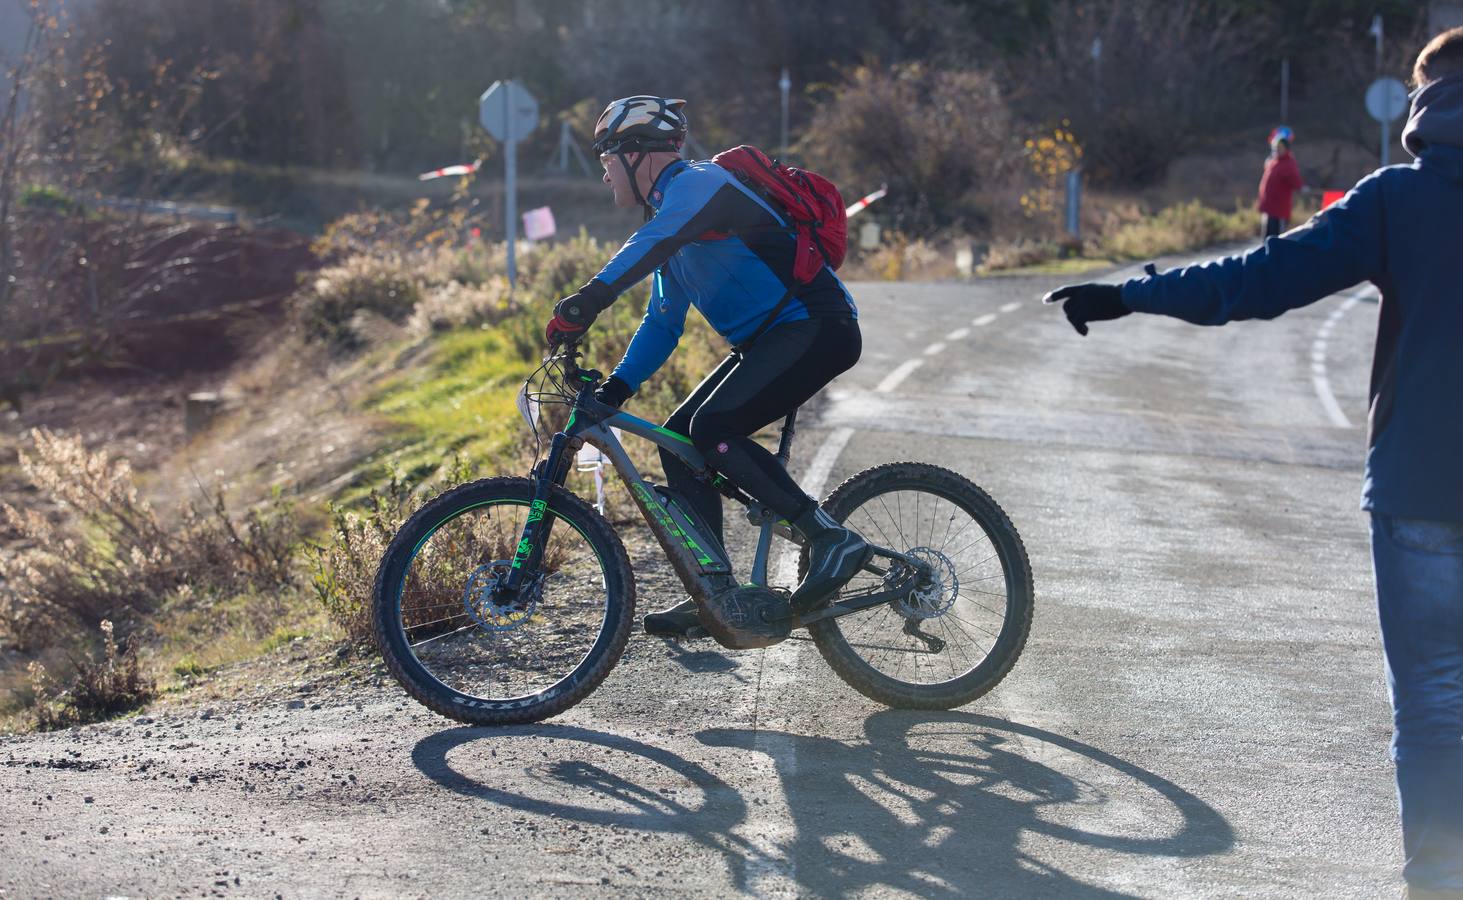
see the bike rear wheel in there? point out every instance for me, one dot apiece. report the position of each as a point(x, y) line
point(958, 639)
point(466, 653)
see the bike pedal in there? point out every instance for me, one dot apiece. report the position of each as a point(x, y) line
point(695, 632)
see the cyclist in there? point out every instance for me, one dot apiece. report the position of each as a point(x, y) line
point(712, 242)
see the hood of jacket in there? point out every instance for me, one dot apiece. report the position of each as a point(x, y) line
point(1436, 117)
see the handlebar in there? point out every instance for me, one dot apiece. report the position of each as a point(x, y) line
point(567, 355)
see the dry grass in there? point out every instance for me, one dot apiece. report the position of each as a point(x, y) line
point(110, 557)
point(1179, 228)
point(345, 567)
point(102, 685)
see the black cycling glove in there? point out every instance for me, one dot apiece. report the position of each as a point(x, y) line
point(1089, 303)
point(613, 392)
point(576, 312)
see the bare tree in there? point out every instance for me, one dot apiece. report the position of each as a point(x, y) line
point(79, 279)
point(1140, 80)
point(937, 138)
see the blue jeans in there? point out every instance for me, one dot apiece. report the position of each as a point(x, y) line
point(1419, 570)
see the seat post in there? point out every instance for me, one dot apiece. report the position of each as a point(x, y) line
point(784, 446)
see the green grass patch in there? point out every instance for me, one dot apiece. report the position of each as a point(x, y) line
point(189, 667)
point(461, 399)
point(1074, 265)
point(283, 636)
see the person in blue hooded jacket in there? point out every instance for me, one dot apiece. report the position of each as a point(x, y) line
point(1400, 228)
point(711, 242)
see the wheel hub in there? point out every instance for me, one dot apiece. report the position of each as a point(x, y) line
point(935, 590)
point(492, 606)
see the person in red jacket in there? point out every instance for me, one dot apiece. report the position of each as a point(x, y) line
point(1279, 183)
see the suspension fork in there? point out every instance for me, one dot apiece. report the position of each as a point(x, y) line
point(530, 550)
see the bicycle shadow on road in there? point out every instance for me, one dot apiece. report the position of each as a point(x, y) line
point(594, 767)
point(934, 804)
point(943, 804)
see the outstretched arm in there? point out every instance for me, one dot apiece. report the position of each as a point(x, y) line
point(1339, 247)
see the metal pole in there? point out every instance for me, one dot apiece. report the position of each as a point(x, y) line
point(1074, 204)
point(1285, 91)
point(784, 84)
point(1386, 126)
point(1377, 32)
point(1097, 75)
point(510, 186)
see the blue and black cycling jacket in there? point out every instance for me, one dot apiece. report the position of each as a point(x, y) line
point(735, 276)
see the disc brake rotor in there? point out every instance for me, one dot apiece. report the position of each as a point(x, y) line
point(934, 595)
point(494, 610)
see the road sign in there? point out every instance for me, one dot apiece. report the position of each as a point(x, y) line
point(1386, 100)
point(508, 111)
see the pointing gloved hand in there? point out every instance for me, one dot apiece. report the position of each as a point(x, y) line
point(613, 392)
point(1089, 303)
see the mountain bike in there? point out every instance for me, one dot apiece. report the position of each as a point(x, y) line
point(509, 599)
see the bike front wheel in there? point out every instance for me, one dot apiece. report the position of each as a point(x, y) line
point(464, 650)
point(957, 637)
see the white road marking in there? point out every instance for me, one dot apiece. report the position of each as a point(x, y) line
point(934, 348)
point(960, 334)
point(772, 871)
point(901, 372)
point(1319, 379)
point(1011, 307)
point(986, 319)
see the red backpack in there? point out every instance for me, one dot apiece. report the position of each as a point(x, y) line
point(811, 202)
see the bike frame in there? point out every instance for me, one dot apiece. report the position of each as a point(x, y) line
point(698, 558)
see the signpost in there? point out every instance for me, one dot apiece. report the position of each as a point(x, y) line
point(510, 114)
point(1386, 101)
point(784, 86)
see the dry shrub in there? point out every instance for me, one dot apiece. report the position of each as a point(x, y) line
point(327, 308)
point(936, 137)
point(1179, 228)
point(410, 270)
point(901, 258)
point(453, 303)
point(555, 270)
point(1019, 253)
point(345, 567)
point(101, 686)
point(109, 557)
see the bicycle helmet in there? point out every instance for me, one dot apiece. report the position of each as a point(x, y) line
point(642, 123)
point(1282, 133)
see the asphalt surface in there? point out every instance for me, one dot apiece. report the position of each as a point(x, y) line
point(1200, 710)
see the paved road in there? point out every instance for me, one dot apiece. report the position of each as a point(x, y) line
point(1200, 711)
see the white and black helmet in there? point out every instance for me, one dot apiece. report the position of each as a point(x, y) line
point(640, 124)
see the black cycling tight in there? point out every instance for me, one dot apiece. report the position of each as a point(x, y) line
point(747, 391)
